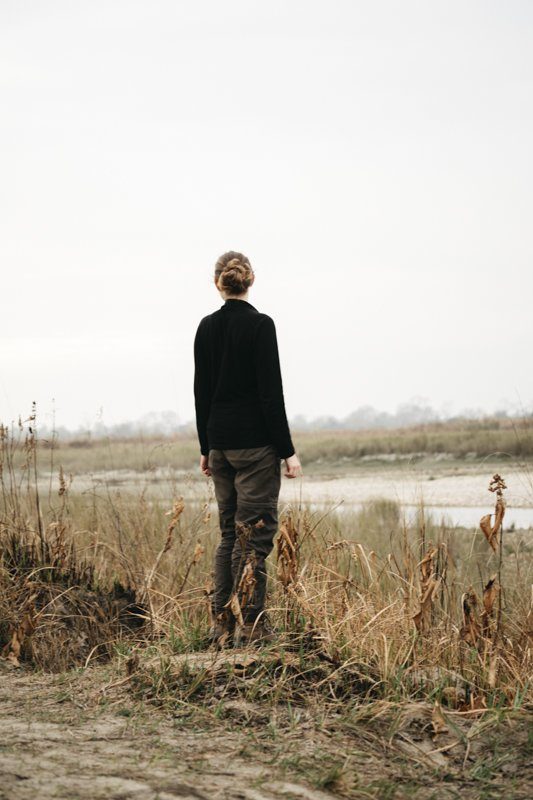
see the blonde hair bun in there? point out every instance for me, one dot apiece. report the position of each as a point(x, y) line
point(233, 273)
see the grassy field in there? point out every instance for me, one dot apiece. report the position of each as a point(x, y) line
point(402, 666)
point(470, 440)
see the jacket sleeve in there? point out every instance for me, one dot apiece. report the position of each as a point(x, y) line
point(270, 387)
point(202, 398)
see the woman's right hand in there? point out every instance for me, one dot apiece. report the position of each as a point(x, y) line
point(204, 465)
point(293, 467)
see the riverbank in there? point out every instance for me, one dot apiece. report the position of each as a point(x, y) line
point(457, 490)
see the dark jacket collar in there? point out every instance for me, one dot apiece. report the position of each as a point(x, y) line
point(233, 304)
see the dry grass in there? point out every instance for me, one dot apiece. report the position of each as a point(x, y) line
point(475, 439)
point(367, 606)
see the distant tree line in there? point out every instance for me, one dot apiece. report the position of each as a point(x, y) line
point(167, 423)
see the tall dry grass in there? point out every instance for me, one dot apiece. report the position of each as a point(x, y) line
point(476, 439)
point(367, 602)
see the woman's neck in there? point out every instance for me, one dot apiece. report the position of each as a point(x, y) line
point(235, 297)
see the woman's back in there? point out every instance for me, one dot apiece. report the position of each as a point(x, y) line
point(228, 336)
point(238, 386)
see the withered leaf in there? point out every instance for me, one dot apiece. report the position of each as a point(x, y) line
point(471, 630)
point(491, 535)
point(235, 607)
point(491, 530)
point(247, 581)
point(438, 720)
point(199, 550)
point(490, 593)
point(429, 584)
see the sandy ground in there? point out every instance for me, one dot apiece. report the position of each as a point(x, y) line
point(77, 736)
point(436, 484)
point(410, 487)
point(59, 740)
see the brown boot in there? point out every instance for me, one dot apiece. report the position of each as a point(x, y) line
point(221, 632)
point(258, 632)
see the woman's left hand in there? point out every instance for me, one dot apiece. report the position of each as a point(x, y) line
point(294, 468)
point(204, 465)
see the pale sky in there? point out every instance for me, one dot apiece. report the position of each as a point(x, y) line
point(373, 159)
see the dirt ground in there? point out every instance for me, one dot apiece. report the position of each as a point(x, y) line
point(82, 734)
point(436, 483)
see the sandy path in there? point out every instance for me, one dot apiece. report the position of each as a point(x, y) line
point(55, 745)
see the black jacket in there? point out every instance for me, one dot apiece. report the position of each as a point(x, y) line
point(238, 389)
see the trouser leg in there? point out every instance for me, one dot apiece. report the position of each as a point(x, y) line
point(257, 485)
point(258, 543)
point(223, 475)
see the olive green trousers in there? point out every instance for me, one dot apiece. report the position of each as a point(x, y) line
point(247, 484)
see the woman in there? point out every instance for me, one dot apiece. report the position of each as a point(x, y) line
point(244, 434)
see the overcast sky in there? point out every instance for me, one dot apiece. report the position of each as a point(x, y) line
point(373, 159)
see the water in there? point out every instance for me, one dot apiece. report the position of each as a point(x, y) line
point(469, 517)
point(463, 516)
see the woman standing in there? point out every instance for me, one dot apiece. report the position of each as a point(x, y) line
point(244, 434)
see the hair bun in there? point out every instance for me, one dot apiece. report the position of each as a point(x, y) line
point(235, 264)
point(234, 273)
